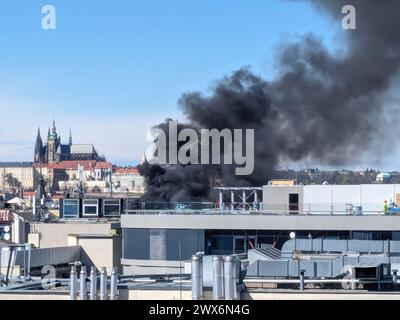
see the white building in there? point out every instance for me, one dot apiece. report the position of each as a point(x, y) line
point(383, 177)
point(128, 180)
point(330, 198)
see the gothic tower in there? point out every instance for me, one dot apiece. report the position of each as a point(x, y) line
point(52, 144)
point(38, 157)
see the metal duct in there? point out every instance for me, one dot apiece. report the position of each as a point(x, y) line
point(93, 284)
point(218, 277)
point(103, 284)
point(197, 285)
point(229, 280)
point(83, 287)
point(114, 282)
point(73, 283)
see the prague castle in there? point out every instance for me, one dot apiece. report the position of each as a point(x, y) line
point(54, 151)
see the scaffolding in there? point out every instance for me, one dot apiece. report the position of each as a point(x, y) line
point(240, 198)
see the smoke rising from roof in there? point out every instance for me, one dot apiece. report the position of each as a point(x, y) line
point(322, 106)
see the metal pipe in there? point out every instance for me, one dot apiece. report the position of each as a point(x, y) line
point(236, 274)
point(302, 280)
point(83, 287)
point(73, 283)
point(29, 260)
point(218, 277)
point(114, 282)
point(197, 287)
point(103, 284)
point(93, 284)
point(229, 281)
point(395, 277)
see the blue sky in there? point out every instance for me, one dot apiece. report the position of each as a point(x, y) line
point(111, 69)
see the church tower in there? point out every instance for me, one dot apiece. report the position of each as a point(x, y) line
point(52, 144)
point(38, 157)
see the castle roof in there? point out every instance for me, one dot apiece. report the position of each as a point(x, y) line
point(73, 165)
point(131, 170)
point(82, 149)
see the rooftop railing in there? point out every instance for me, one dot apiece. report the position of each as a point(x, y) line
point(328, 209)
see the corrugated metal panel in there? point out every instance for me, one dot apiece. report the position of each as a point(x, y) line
point(366, 246)
point(253, 270)
point(293, 267)
point(273, 268)
point(50, 256)
point(324, 269)
point(308, 267)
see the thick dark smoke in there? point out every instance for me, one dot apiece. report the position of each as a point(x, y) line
point(324, 106)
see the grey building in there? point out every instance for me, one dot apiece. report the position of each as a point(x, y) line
point(157, 240)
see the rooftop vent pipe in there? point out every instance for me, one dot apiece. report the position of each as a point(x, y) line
point(197, 277)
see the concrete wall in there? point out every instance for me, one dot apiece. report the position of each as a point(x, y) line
point(99, 251)
point(276, 197)
point(141, 267)
point(56, 234)
point(160, 294)
point(324, 198)
point(263, 222)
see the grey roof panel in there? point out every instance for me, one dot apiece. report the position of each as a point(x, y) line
point(82, 148)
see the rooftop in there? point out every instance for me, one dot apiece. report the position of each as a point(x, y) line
point(82, 149)
point(87, 165)
point(24, 164)
point(130, 170)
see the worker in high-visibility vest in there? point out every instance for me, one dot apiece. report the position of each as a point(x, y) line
point(385, 207)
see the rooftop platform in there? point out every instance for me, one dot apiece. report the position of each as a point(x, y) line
point(257, 220)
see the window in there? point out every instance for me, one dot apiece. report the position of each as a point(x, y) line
point(71, 208)
point(90, 207)
point(111, 207)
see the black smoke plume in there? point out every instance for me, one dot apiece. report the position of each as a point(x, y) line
point(322, 106)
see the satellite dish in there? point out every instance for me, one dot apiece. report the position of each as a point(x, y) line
point(7, 236)
point(6, 228)
point(292, 235)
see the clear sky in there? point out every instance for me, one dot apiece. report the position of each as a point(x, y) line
point(111, 69)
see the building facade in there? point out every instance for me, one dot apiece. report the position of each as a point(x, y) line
point(14, 175)
point(67, 174)
point(128, 180)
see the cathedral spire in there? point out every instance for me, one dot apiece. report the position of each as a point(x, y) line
point(54, 129)
point(70, 137)
point(38, 147)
